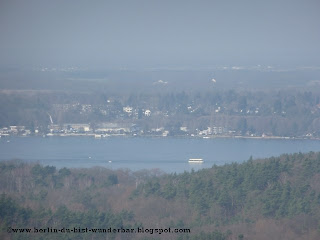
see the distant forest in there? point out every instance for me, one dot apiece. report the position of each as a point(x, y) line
point(292, 113)
point(274, 198)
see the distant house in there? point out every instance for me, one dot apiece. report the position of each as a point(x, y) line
point(54, 128)
point(79, 127)
point(147, 113)
point(165, 133)
point(127, 109)
point(16, 129)
point(184, 129)
point(208, 131)
point(218, 130)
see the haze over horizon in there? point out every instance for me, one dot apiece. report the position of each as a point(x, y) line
point(146, 34)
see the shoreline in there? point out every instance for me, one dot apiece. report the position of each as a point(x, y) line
point(101, 136)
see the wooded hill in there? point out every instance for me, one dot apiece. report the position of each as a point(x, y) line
point(275, 198)
point(250, 113)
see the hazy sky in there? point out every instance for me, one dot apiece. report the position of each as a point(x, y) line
point(137, 33)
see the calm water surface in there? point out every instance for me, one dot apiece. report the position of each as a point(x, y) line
point(167, 154)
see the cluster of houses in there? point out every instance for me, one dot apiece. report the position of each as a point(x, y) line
point(130, 110)
point(102, 129)
point(212, 131)
point(117, 129)
point(96, 130)
point(16, 130)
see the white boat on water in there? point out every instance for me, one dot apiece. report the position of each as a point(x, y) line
point(195, 160)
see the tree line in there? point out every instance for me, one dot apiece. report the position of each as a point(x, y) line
point(233, 201)
point(284, 113)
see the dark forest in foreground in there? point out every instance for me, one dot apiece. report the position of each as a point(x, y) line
point(274, 198)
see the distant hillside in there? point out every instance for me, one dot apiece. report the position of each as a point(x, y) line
point(275, 198)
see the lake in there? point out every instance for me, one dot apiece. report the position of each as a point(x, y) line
point(167, 154)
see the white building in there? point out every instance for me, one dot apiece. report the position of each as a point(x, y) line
point(147, 113)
